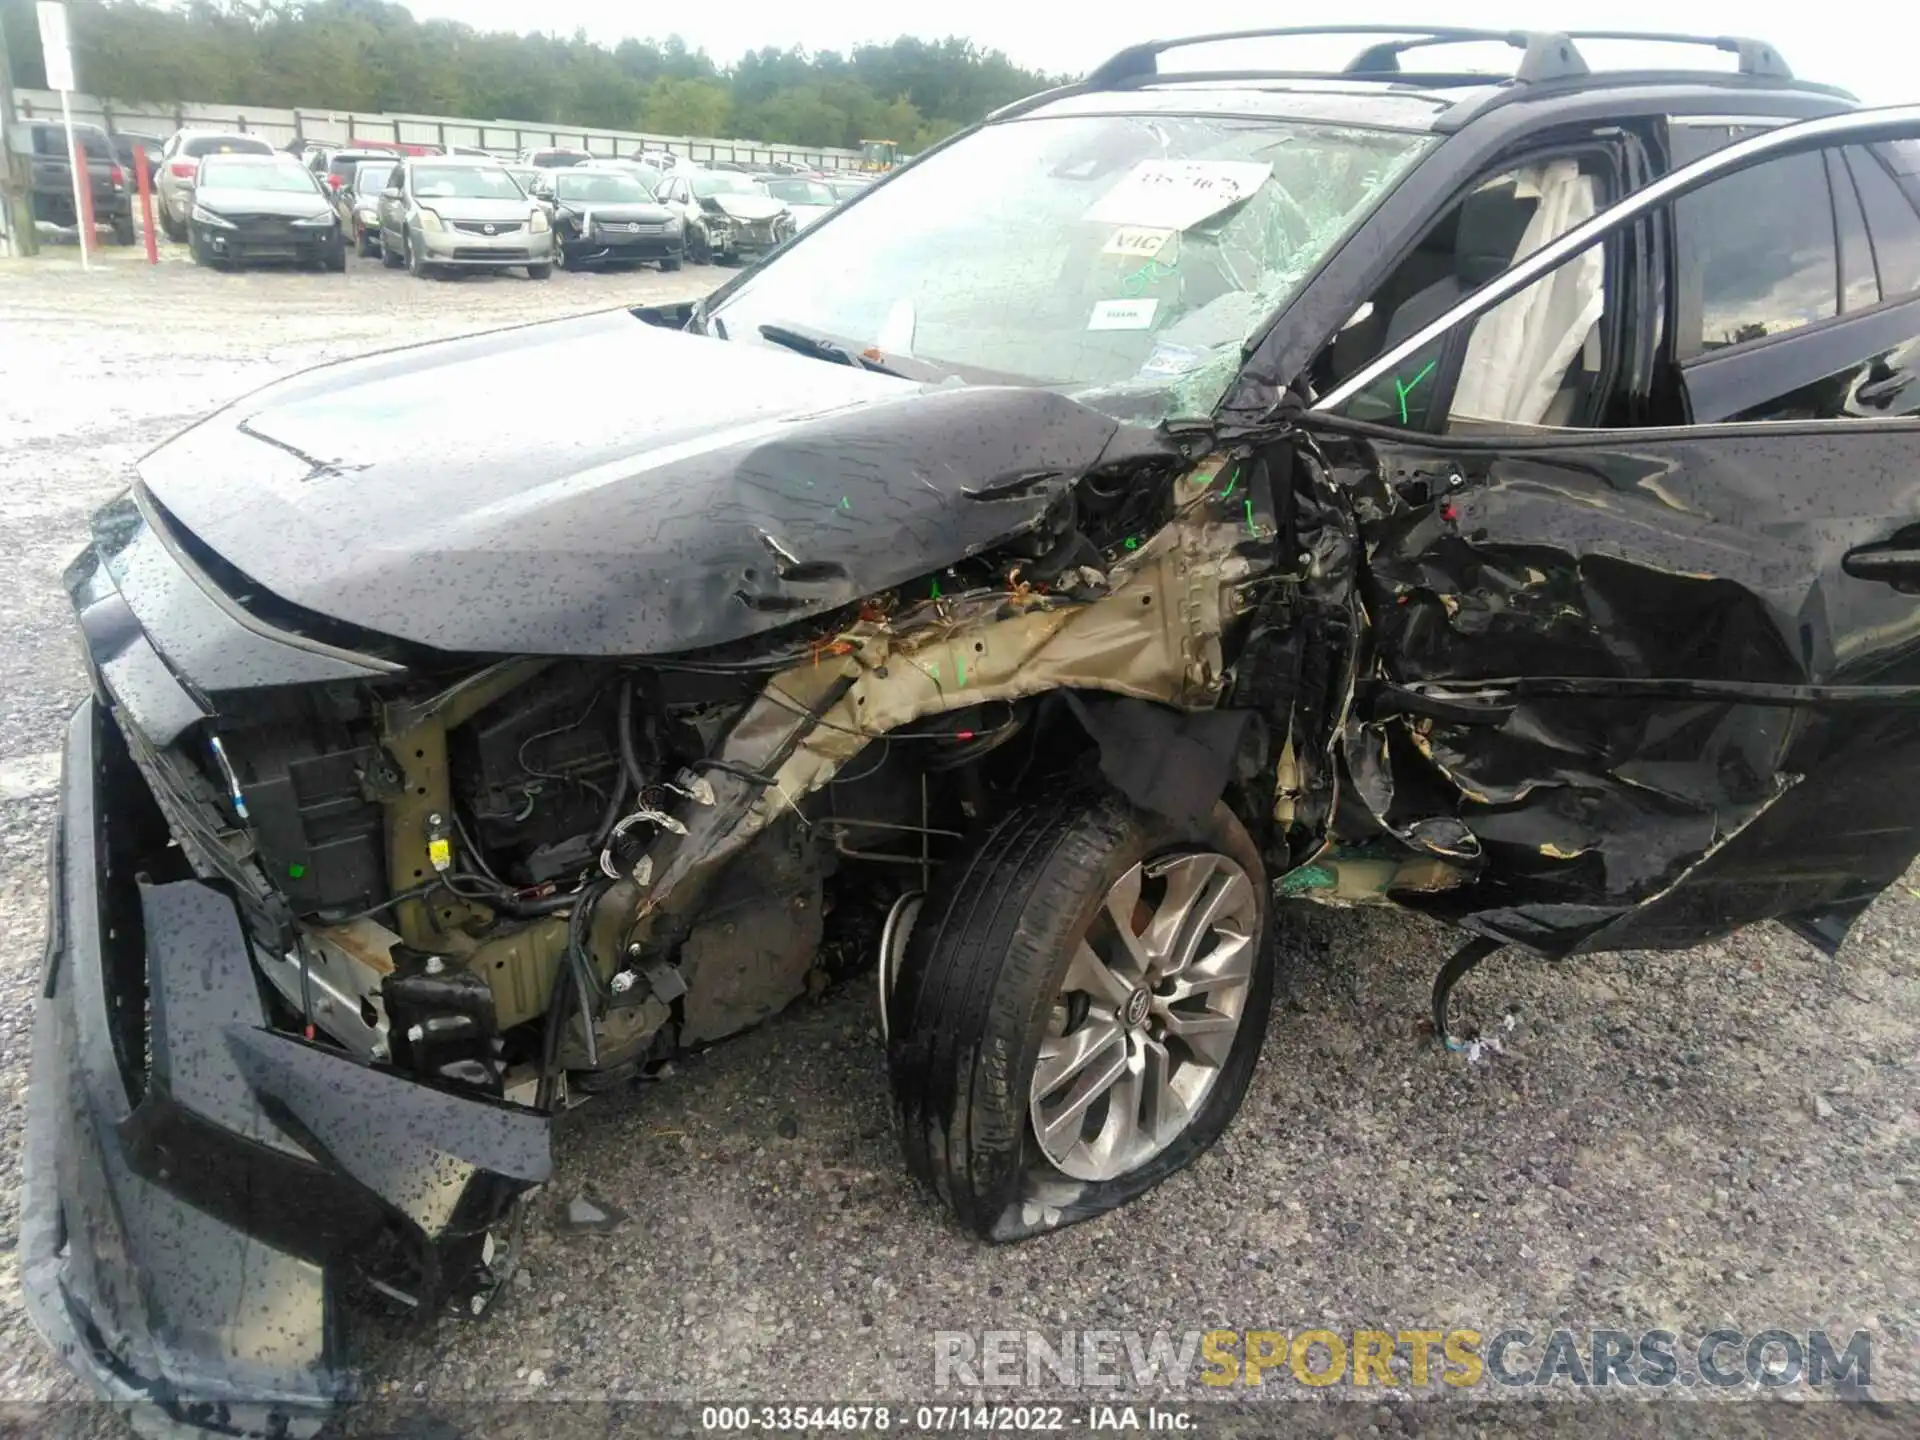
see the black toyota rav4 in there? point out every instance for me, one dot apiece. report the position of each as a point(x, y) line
point(1184, 493)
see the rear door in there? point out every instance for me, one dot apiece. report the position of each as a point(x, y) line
point(1668, 675)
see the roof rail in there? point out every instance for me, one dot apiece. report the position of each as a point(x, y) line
point(1548, 55)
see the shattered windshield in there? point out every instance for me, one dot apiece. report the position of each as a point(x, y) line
point(1123, 259)
point(799, 192)
point(718, 182)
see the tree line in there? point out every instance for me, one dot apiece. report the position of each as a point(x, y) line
point(373, 55)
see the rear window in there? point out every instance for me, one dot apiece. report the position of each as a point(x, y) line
point(51, 140)
point(1893, 225)
point(199, 145)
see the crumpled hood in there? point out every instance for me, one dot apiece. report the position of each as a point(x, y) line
point(749, 207)
point(600, 486)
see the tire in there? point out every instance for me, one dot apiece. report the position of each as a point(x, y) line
point(202, 256)
point(670, 263)
point(540, 272)
point(123, 232)
point(168, 228)
point(336, 259)
point(416, 267)
point(699, 248)
point(389, 257)
point(367, 248)
point(992, 979)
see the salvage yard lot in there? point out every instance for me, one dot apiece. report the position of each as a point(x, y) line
point(1726, 1136)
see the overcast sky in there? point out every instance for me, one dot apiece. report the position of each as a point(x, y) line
point(1872, 50)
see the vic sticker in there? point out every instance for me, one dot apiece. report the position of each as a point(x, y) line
point(1137, 241)
point(1122, 314)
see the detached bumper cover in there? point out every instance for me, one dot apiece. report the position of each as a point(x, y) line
point(186, 1219)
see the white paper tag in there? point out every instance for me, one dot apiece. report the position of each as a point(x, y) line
point(1176, 194)
point(1122, 314)
point(1137, 241)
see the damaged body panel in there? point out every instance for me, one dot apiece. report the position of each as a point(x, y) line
point(1639, 673)
point(434, 780)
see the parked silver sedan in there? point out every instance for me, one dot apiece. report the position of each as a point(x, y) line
point(459, 212)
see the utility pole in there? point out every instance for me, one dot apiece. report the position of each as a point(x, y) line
point(16, 182)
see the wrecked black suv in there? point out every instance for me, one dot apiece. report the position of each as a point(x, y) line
point(1184, 492)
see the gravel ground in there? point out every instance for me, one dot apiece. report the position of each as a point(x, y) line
point(1726, 1136)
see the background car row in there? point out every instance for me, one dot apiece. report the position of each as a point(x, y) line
point(234, 199)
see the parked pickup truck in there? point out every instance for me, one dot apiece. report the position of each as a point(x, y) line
point(44, 142)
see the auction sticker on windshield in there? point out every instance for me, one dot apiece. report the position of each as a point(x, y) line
point(1176, 194)
point(1122, 314)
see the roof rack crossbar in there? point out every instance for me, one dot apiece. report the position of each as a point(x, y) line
point(1755, 57)
point(1137, 61)
point(1548, 55)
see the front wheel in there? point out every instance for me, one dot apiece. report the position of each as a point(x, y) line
point(670, 263)
point(123, 232)
point(699, 248)
point(1079, 1010)
point(540, 272)
point(390, 257)
point(416, 267)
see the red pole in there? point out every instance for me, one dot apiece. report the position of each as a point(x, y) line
point(145, 182)
point(85, 188)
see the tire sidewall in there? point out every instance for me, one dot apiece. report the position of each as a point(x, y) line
point(1015, 1191)
point(1153, 837)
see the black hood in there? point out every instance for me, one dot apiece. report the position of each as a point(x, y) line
point(281, 204)
point(620, 211)
point(600, 486)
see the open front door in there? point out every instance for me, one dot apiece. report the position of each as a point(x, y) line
point(1668, 676)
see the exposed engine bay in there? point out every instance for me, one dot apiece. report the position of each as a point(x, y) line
point(541, 876)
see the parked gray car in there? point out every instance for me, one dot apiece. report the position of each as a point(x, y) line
point(458, 212)
point(180, 163)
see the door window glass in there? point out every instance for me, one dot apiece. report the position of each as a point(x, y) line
point(1758, 254)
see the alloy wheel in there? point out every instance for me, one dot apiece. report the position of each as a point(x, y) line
point(1146, 1015)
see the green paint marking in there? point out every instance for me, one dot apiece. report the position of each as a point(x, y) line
point(959, 669)
point(1132, 542)
point(933, 671)
point(1407, 389)
point(1307, 877)
point(936, 591)
point(843, 503)
point(296, 870)
point(1252, 529)
point(1227, 494)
